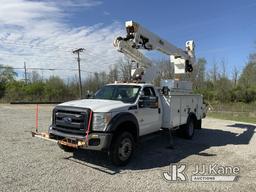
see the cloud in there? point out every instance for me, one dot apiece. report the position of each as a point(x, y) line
point(37, 32)
point(80, 3)
point(106, 13)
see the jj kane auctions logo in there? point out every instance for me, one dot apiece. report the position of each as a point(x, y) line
point(202, 173)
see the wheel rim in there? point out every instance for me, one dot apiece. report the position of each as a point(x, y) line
point(191, 128)
point(125, 149)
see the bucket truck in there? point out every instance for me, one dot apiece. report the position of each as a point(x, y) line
point(121, 113)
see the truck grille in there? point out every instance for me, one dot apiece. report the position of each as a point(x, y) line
point(70, 120)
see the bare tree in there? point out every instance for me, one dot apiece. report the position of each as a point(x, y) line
point(113, 74)
point(198, 77)
point(125, 68)
point(7, 74)
point(213, 74)
point(235, 76)
point(34, 77)
point(223, 65)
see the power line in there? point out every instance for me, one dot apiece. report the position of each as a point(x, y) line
point(46, 69)
point(50, 57)
point(49, 69)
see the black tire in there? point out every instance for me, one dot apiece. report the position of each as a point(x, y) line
point(122, 149)
point(198, 124)
point(189, 128)
point(67, 148)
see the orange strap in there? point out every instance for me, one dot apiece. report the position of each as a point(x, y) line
point(89, 126)
point(37, 110)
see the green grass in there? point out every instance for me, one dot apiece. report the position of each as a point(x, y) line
point(243, 117)
point(234, 107)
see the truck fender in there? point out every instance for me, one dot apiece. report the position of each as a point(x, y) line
point(192, 115)
point(121, 118)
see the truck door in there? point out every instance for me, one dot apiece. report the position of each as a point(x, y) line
point(149, 112)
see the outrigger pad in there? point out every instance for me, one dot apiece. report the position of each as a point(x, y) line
point(42, 134)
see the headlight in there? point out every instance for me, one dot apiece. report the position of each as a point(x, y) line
point(100, 121)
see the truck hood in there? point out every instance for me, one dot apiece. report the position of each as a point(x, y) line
point(98, 105)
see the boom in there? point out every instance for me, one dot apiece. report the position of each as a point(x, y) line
point(138, 37)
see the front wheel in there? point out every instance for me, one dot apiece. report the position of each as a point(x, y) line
point(122, 149)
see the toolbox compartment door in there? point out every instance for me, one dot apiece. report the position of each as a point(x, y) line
point(175, 105)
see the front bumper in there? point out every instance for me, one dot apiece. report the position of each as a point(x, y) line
point(95, 141)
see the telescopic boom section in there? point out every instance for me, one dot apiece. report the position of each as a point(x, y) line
point(128, 49)
point(138, 37)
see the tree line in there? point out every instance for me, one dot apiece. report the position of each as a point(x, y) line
point(214, 84)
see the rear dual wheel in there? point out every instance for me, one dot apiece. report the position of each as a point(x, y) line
point(189, 128)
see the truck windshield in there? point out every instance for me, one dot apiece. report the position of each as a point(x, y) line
point(124, 93)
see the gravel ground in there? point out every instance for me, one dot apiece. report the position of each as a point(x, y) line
point(31, 164)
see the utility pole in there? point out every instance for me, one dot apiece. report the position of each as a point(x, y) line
point(25, 69)
point(79, 70)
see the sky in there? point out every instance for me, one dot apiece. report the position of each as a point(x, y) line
point(44, 33)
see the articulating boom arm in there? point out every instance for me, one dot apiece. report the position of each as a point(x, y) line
point(140, 38)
